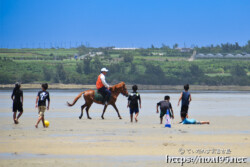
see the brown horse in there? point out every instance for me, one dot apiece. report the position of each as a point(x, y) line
point(90, 94)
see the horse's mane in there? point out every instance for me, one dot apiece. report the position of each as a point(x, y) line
point(117, 86)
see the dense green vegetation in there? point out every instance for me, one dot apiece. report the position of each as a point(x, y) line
point(225, 48)
point(159, 66)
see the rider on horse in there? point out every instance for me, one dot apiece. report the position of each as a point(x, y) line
point(102, 85)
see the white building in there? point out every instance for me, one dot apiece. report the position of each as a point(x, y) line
point(124, 48)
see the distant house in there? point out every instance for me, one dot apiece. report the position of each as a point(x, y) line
point(98, 53)
point(159, 54)
point(76, 56)
point(124, 48)
point(184, 49)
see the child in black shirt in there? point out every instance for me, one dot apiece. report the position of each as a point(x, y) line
point(133, 99)
point(17, 97)
point(41, 98)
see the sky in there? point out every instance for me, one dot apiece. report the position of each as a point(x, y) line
point(123, 23)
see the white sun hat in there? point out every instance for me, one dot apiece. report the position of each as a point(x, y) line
point(104, 70)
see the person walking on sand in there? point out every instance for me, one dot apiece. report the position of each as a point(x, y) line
point(41, 98)
point(164, 106)
point(17, 97)
point(102, 86)
point(133, 99)
point(185, 99)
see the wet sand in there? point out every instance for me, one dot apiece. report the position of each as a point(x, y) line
point(113, 142)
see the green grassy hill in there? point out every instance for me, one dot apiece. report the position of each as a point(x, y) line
point(159, 66)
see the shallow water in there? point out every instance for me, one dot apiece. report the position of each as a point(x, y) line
point(213, 103)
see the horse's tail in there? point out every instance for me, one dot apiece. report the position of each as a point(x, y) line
point(75, 100)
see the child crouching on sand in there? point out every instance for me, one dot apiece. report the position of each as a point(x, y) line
point(133, 99)
point(164, 106)
point(41, 98)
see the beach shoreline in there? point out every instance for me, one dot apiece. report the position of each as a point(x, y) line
point(142, 87)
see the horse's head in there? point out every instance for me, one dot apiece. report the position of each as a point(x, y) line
point(120, 88)
point(124, 90)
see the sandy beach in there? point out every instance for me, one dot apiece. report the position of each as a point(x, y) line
point(112, 142)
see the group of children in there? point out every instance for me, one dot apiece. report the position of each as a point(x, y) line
point(165, 106)
point(42, 96)
point(133, 99)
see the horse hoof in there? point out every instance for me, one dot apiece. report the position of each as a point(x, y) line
point(102, 117)
point(89, 118)
point(120, 117)
point(80, 117)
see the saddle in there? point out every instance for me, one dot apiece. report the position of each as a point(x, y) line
point(99, 97)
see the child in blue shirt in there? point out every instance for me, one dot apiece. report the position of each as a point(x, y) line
point(185, 120)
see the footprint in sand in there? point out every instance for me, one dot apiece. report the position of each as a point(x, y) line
point(169, 144)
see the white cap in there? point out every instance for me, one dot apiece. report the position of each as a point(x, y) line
point(104, 70)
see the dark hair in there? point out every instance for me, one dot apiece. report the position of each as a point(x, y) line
point(183, 114)
point(166, 98)
point(186, 87)
point(134, 88)
point(17, 86)
point(45, 86)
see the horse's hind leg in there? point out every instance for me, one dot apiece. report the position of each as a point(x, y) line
point(82, 107)
point(87, 110)
point(116, 109)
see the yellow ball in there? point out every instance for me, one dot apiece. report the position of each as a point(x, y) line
point(46, 123)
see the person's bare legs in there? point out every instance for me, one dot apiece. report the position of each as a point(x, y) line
point(204, 122)
point(131, 118)
point(136, 115)
point(161, 120)
point(14, 117)
point(39, 119)
point(43, 122)
point(19, 115)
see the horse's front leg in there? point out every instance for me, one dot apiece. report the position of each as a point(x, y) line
point(104, 109)
point(116, 110)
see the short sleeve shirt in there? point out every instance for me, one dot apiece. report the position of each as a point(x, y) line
point(164, 105)
point(17, 94)
point(43, 96)
point(133, 99)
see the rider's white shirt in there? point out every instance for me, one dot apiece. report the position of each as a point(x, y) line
point(103, 80)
